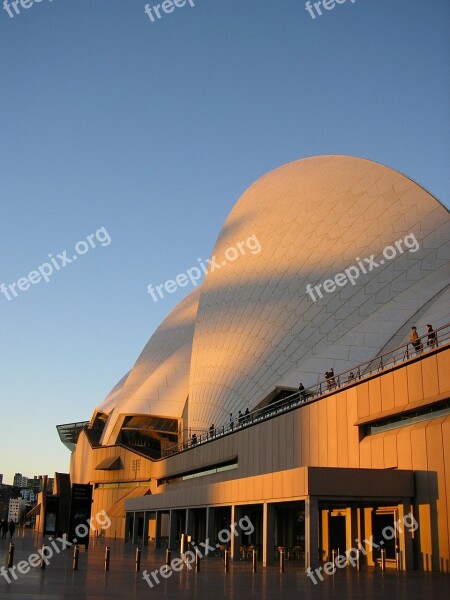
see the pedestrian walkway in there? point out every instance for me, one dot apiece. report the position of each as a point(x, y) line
point(59, 582)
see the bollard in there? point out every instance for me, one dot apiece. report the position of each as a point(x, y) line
point(281, 561)
point(397, 558)
point(76, 552)
point(138, 559)
point(43, 565)
point(107, 557)
point(358, 561)
point(254, 555)
point(383, 559)
point(226, 561)
point(197, 561)
point(333, 556)
point(10, 556)
point(168, 556)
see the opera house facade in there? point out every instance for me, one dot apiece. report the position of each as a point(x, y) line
point(286, 388)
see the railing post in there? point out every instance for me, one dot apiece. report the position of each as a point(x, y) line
point(197, 561)
point(76, 552)
point(10, 556)
point(138, 559)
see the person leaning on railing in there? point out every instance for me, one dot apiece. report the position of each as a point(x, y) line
point(432, 341)
point(415, 340)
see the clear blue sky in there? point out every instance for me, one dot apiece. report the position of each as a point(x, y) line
point(153, 131)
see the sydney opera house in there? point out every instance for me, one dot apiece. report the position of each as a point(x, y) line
point(210, 425)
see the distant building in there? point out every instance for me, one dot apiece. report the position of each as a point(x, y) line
point(1, 478)
point(28, 495)
point(16, 509)
point(18, 480)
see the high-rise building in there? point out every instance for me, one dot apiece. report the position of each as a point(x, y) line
point(16, 509)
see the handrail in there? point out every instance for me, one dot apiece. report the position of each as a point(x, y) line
point(360, 371)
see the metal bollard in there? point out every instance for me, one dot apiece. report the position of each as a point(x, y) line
point(333, 556)
point(10, 556)
point(168, 554)
point(358, 561)
point(76, 553)
point(397, 558)
point(138, 559)
point(197, 561)
point(43, 565)
point(226, 561)
point(383, 559)
point(254, 555)
point(107, 557)
point(281, 561)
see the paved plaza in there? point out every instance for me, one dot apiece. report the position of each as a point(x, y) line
point(58, 581)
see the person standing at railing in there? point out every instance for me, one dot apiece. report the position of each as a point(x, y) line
point(301, 391)
point(415, 340)
point(431, 336)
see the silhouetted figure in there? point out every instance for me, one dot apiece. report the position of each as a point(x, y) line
point(247, 415)
point(431, 336)
point(415, 340)
point(301, 391)
point(194, 439)
point(332, 379)
point(240, 418)
point(211, 430)
point(4, 529)
point(12, 529)
point(351, 377)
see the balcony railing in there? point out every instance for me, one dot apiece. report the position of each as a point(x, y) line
point(388, 359)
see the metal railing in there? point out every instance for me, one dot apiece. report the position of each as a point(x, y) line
point(341, 380)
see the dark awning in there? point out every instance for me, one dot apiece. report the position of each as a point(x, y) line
point(35, 511)
point(112, 463)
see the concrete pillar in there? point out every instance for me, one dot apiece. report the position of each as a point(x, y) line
point(368, 531)
point(135, 529)
point(325, 538)
point(158, 516)
point(405, 536)
point(172, 528)
point(189, 529)
point(268, 533)
point(147, 516)
point(210, 525)
point(236, 534)
point(352, 529)
point(312, 532)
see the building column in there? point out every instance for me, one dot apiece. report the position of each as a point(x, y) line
point(405, 537)
point(158, 516)
point(368, 531)
point(210, 525)
point(352, 530)
point(189, 529)
point(236, 534)
point(268, 533)
point(147, 516)
point(312, 532)
point(325, 539)
point(135, 529)
point(172, 528)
